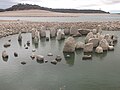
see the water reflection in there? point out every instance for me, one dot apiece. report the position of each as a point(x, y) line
point(20, 43)
point(69, 60)
point(42, 42)
point(35, 44)
point(102, 55)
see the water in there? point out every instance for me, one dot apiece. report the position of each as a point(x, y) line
point(100, 73)
point(82, 18)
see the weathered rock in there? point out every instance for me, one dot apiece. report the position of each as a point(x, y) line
point(99, 49)
point(67, 31)
point(42, 32)
point(19, 37)
point(104, 44)
point(54, 62)
point(89, 35)
point(99, 36)
point(73, 30)
point(94, 31)
point(79, 45)
point(95, 41)
point(69, 45)
point(7, 45)
point(99, 29)
point(15, 54)
point(86, 57)
point(77, 35)
point(110, 48)
point(88, 47)
point(84, 31)
point(60, 35)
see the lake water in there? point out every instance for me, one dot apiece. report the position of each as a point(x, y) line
point(82, 18)
point(100, 73)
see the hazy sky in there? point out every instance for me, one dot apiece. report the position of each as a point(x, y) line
point(106, 5)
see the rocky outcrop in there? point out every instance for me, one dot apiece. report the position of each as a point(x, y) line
point(69, 45)
point(88, 47)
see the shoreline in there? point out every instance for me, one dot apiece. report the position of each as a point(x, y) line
point(11, 27)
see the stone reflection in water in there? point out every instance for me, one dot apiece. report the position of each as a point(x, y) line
point(20, 43)
point(70, 58)
point(42, 42)
point(35, 44)
point(102, 55)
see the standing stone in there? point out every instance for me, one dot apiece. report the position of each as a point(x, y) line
point(104, 44)
point(60, 35)
point(89, 35)
point(99, 29)
point(99, 49)
point(33, 33)
point(67, 31)
point(69, 45)
point(88, 47)
point(53, 32)
point(42, 32)
point(79, 45)
point(73, 30)
point(95, 41)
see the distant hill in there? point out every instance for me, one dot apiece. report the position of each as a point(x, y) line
point(30, 6)
point(2, 10)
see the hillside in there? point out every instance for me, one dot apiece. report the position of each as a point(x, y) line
point(30, 6)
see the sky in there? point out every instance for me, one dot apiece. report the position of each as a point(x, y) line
point(106, 5)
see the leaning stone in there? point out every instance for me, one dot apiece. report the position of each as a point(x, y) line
point(86, 57)
point(99, 49)
point(104, 44)
point(95, 41)
point(88, 47)
point(69, 45)
point(89, 35)
point(79, 45)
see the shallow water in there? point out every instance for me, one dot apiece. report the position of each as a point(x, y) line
point(81, 18)
point(100, 73)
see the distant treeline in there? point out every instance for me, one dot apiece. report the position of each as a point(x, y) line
point(30, 6)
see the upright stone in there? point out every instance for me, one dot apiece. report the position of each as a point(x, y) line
point(88, 47)
point(104, 44)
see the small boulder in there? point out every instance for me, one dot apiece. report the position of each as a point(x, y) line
point(99, 49)
point(69, 45)
point(88, 47)
point(110, 48)
point(67, 31)
point(58, 58)
point(40, 58)
point(50, 54)
point(54, 62)
point(79, 45)
point(4, 54)
point(23, 63)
